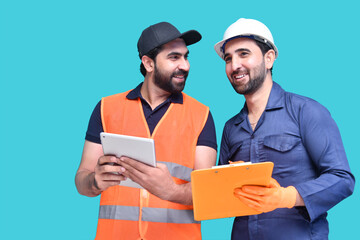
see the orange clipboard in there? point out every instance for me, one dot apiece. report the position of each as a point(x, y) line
point(213, 189)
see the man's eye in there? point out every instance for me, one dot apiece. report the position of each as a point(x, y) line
point(174, 57)
point(244, 54)
point(227, 60)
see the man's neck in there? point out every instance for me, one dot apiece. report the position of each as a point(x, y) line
point(153, 94)
point(256, 102)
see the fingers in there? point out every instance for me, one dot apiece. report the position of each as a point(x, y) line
point(133, 169)
point(109, 164)
point(129, 163)
point(274, 183)
point(111, 175)
point(142, 173)
point(238, 192)
point(162, 166)
point(134, 175)
point(106, 180)
point(131, 166)
point(108, 159)
point(108, 172)
point(231, 162)
point(136, 170)
point(260, 190)
point(249, 202)
point(109, 169)
point(256, 190)
point(157, 180)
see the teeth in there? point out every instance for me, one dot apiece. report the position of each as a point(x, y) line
point(240, 76)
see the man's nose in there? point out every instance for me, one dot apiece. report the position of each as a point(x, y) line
point(236, 63)
point(184, 64)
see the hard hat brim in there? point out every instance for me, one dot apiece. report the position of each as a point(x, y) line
point(219, 47)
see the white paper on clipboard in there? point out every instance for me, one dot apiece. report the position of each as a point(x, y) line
point(141, 149)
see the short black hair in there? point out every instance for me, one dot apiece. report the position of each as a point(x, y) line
point(151, 54)
point(264, 49)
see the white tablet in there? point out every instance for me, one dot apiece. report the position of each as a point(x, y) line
point(141, 149)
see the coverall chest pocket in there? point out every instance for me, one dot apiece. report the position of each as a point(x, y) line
point(283, 151)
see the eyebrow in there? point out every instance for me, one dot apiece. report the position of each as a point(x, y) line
point(238, 50)
point(178, 53)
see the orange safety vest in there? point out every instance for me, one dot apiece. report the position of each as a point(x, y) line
point(132, 213)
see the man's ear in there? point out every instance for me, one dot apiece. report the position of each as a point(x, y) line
point(269, 58)
point(149, 64)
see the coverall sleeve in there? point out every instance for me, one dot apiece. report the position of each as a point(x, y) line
point(224, 147)
point(322, 140)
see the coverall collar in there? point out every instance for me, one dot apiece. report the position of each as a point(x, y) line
point(275, 101)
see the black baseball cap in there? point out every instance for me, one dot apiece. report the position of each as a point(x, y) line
point(161, 33)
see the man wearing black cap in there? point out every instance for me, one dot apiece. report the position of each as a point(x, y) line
point(184, 135)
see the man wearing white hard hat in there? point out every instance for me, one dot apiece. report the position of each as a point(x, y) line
point(311, 172)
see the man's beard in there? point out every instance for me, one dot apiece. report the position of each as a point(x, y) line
point(164, 81)
point(254, 83)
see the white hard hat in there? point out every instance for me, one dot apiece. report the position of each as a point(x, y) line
point(246, 28)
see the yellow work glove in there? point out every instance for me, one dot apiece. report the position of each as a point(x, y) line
point(267, 199)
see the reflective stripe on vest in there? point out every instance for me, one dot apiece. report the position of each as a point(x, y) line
point(119, 212)
point(164, 215)
point(179, 171)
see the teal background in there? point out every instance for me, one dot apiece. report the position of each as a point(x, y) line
point(58, 58)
